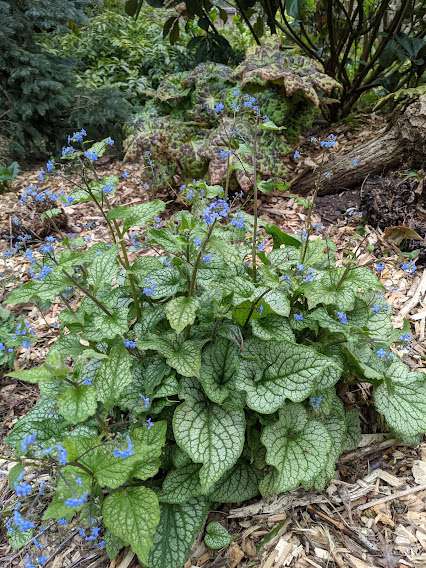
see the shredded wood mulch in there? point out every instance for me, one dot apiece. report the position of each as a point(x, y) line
point(372, 515)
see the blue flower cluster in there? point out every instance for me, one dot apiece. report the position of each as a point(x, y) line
point(342, 317)
point(238, 221)
point(329, 142)
point(216, 210)
point(77, 137)
point(409, 267)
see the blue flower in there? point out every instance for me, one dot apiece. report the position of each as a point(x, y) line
point(298, 317)
point(355, 162)
point(42, 560)
point(207, 258)
point(45, 271)
point(23, 489)
point(62, 522)
point(2, 346)
point(123, 454)
point(108, 187)
point(260, 309)
point(310, 275)
point(409, 267)
point(28, 441)
point(296, 155)
point(150, 288)
point(76, 501)
point(26, 344)
point(62, 454)
point(190, 195)
point(285, 278)
point(300, 267)
point(146, 401)
point(50, 166)
point(197, 241)
point(316, 401)
point(218, 209)
point(109, 141)
point(21, 523)
point(46, 249)
point(87, 382)
point(94, 533)
point(329, 142)
point(149, 423)
point(379, 266)
point(125, 174)
point(238, 221)
point(219, 107)
point(129, 343)
point(261, 246)
point(223, 154)
point(101, 544)
point(376, 308)
point(69, 200)
point(67, 151)
point(77, 136)
point(406, 337)
point(381, 353)
point(91, 155)
point(342, 317)
point(41, 175)
point(250, 102)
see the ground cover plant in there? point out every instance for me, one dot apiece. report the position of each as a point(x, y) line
point(207, 371)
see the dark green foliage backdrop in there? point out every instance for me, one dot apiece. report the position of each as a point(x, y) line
point(39, 99)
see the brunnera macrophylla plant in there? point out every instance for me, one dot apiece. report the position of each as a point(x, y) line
point(196, 371)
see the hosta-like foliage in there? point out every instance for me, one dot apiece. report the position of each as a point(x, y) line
point(188, 379)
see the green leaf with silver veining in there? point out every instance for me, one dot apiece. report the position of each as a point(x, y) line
point(219, 365)
point(216, 536)
point(114, 376)
point(179, 526)
point(181, 312)
point(77, 403)
point(298, 449)
point(272, 371)
point(210, 434)
point(132, 514)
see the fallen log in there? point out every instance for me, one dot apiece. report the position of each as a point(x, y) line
point(402, 141)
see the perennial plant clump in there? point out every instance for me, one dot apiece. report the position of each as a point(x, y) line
point(205, 373)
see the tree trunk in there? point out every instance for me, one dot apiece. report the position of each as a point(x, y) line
point(404, 139)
